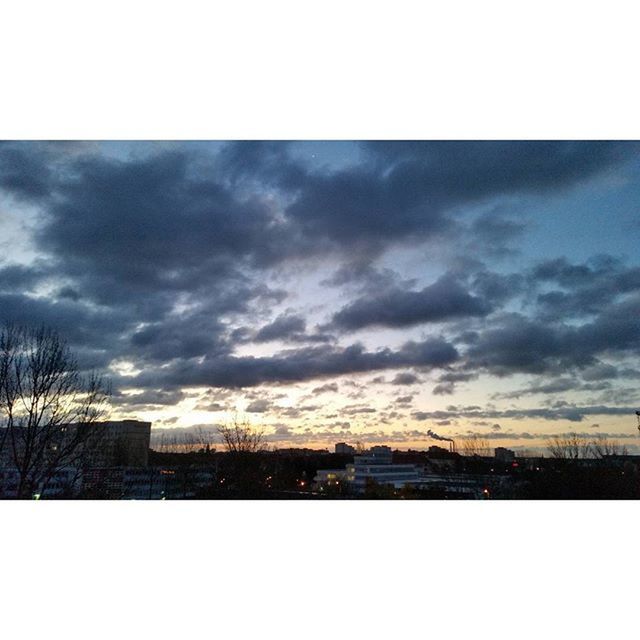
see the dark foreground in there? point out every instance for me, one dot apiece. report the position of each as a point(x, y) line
point(207, 475)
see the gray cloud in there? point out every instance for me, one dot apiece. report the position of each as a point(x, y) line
point(325, 388)
point(569, 412)
point(297, 365)
point(164, 259)
point(405, 378)
point(259, 406)
point(408, 187)
point(281, 328)
point(445, 299)
point(586, 289)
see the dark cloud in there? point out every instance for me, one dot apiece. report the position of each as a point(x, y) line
point(516, 343)
point(331, 387)
point(445, 299)
point(568, 412)
point(297, 410)
point(366, 277)
point(472, 169)
point(281, 328)
point(496, 288)
point(287, 328)
point(149, 398)
point(213, 407)
point(355, 409)
point(259, 406)
point(515, 435)
point(496, 228)
point(405, 378)
point(18, 277)
point(586, 289)
point(190, 336)
point(154, 224)
point(164, 259)
point(600, 371)
point(444, 389)
point(552, 387)
point(558, 385)
point(93, 331)
point(298, 364)
point(407, 188)
point(261, 161)
point(457, 376)
point(69, 293)
point(25, 170)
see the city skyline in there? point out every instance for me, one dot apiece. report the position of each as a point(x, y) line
point(338, 291)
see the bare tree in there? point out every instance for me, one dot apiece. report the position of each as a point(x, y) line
point(475, 445)
point(182, 441)
point(197, 440)
point(570, 446)
point(602, 446)
point(47, 408)
point(242, 437)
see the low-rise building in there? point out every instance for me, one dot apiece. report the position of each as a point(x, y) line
point(344, 448)
point(324, 476)
point(504, 455)
point(375, 466)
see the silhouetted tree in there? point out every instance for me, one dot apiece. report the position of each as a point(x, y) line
point(243, 468)
point(184, 441)
point(573, 446)
point(570, 447)
point(242, 437)
point(603, 446)
point(475, 445)
point(47, 408)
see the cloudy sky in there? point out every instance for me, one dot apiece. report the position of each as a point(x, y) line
point(338, 291)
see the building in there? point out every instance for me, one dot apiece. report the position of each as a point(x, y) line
point(457, 485)
point(105, 444)
point(146, 483)
point(345, 449)
point(381, 453)
point(375, 466)
point(504, 455)
point(329, 476)
point(120, 444)
point(64, 483)
point(300, 452)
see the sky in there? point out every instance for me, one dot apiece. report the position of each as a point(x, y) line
point(332, 291)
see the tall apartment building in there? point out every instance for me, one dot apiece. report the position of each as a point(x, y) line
point(113, 444)
point(123, 443)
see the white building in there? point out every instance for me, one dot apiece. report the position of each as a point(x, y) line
point(324, 476)
point(374, 466)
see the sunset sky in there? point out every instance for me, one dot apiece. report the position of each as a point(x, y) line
point(338, 291)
